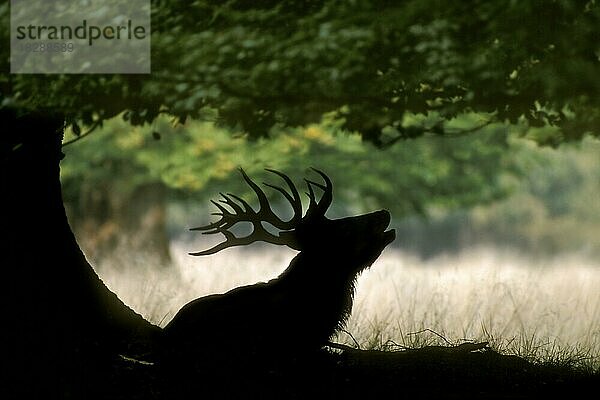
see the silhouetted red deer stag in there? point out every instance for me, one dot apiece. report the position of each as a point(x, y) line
point(303, 307)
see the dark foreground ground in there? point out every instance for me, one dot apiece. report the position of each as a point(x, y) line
point(467, 371)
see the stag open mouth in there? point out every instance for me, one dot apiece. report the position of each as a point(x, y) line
point(389, 235)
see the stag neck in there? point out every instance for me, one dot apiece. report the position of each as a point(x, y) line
point(331, 294)
point(314, 271)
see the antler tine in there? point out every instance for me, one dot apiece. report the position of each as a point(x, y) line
point(215, 224)
point(293, 198)
point(319, 208)
point(227, 199)
point(241, 211)
point(224, 213)
point(264, 210)
point(248, 208)
point(230, 242)
point(311, 195)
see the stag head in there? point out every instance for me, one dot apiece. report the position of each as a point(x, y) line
point(360, 237)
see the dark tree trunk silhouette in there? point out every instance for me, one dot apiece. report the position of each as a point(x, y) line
point(64, 325)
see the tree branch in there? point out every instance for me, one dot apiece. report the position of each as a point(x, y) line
point(78, 138)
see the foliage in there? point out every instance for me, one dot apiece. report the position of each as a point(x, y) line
point(554, 207)
point(200, 159)
point(288, 62)
point(551, 207)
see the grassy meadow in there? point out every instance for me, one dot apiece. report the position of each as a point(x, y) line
point(541, 310)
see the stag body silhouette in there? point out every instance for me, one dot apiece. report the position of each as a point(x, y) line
point(300, 309)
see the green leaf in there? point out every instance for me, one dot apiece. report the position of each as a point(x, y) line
point(76, 129)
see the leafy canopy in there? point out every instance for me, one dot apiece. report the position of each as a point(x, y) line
point(198, 160)
point(261, 63)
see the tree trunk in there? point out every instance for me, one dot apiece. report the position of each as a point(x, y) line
point(64, 326)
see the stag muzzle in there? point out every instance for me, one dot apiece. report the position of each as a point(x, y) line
point(366, 228)
point(380, 222)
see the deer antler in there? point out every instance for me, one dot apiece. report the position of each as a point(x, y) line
point(318, 209)
point(243, 212)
